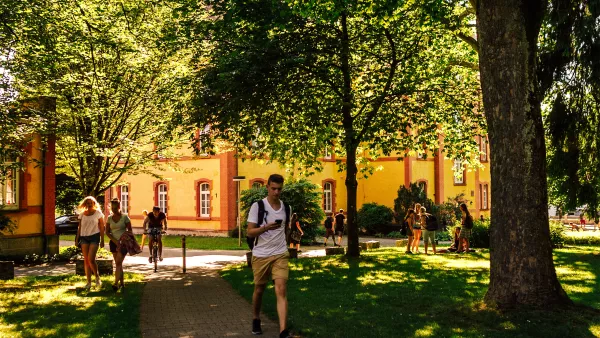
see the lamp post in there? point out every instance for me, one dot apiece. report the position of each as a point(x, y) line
point(238, 179)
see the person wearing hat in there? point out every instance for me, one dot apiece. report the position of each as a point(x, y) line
point(339, 226)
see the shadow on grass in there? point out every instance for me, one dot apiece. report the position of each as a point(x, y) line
point(53, 307)
point(389, 294)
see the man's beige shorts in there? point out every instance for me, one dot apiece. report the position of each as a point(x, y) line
point(274, 266)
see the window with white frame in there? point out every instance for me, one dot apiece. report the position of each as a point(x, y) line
point(484, 196)
point(327, 155)
point(202, 135)
point(162, 197)
point(328, 197)
point(483, 149)
point(257, 184)
point(124, 199)
point(9, 186)
point(459, 172)
point(204, 200)
point(423, 186)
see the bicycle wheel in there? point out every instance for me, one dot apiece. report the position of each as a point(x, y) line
point(155, 257)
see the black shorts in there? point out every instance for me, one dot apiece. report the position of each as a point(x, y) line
point(113, 248)
point(91, 239)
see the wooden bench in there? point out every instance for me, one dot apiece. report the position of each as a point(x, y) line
point(105, 266)
point(369, 245)
point(336, 250)
point(7, 270)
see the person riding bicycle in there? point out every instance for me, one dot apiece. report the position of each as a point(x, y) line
point(154, 222)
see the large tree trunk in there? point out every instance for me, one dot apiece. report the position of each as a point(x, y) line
point(351, 186)
point(522, 271)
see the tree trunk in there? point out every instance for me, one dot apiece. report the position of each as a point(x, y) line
point(521, 268)
point(351, 186)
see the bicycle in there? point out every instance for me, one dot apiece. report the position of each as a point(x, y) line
point(153, 233)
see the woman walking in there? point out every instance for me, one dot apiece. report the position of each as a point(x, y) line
point(117, 225)
point(296, 233)
point(416, 228)
point(409, 221)
point(465, 229)
point(90, 235)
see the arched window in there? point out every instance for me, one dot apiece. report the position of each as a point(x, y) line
point(257, 184)
point(162, 197)
point(124, 198)
point(9, 187)
point(423, 186)
point(328, 197)
point(459, 173)
point(484, 197)
point(204, 200)
point(484, 151)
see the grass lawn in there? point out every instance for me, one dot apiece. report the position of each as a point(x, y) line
point(58, 306)
point(386, 293)
point(191, 242)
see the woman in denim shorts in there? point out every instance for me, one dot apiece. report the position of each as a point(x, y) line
point(116, 225)
point(90, 235)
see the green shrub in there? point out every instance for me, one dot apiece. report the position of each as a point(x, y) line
point(372, 217)
point(582, 239)
point(395, 234)
point(557, 234)
point(443, 235)
point(480, 236)
point(303, 196)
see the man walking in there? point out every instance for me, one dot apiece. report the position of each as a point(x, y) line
point(329, 230)
point(270, 255)
point(339, 226)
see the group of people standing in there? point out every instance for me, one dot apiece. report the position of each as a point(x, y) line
point(417, 225)
point(339, 220)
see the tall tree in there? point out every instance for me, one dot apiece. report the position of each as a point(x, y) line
point(111, 77)
point(289, 79)
point(521, 268)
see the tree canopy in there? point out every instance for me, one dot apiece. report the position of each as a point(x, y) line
point(104, 63)
point(286, 80)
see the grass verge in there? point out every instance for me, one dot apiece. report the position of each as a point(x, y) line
point(58, 306)
point(191, 242)
point(386, 293)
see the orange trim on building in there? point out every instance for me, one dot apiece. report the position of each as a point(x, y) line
point(257, 180)
point(228, 169)
point(407, 171)
point(49, 202)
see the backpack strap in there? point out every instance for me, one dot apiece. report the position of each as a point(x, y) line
point(261, 217)
point(286, 207)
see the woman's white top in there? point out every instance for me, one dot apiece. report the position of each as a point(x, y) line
point(89, 224)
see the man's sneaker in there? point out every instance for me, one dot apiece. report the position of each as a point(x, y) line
point(160, 258)
point(256, 329)
point(150, 259)
point(285, 334)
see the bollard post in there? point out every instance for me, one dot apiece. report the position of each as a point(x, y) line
point(183, 248)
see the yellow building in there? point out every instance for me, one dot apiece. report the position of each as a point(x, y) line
point(201, 196)
point(27, 197)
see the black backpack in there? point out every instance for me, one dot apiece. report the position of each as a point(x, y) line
point(252, 241)
point(431, 223)
point(468, 222)
point(329, 222)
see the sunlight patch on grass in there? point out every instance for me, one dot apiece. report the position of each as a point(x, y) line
point(427, 331)
point(388, 277)
point(468, 264)
point(58, 306)
point(508, 326)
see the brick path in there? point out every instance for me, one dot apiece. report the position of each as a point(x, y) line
point(197, 304)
